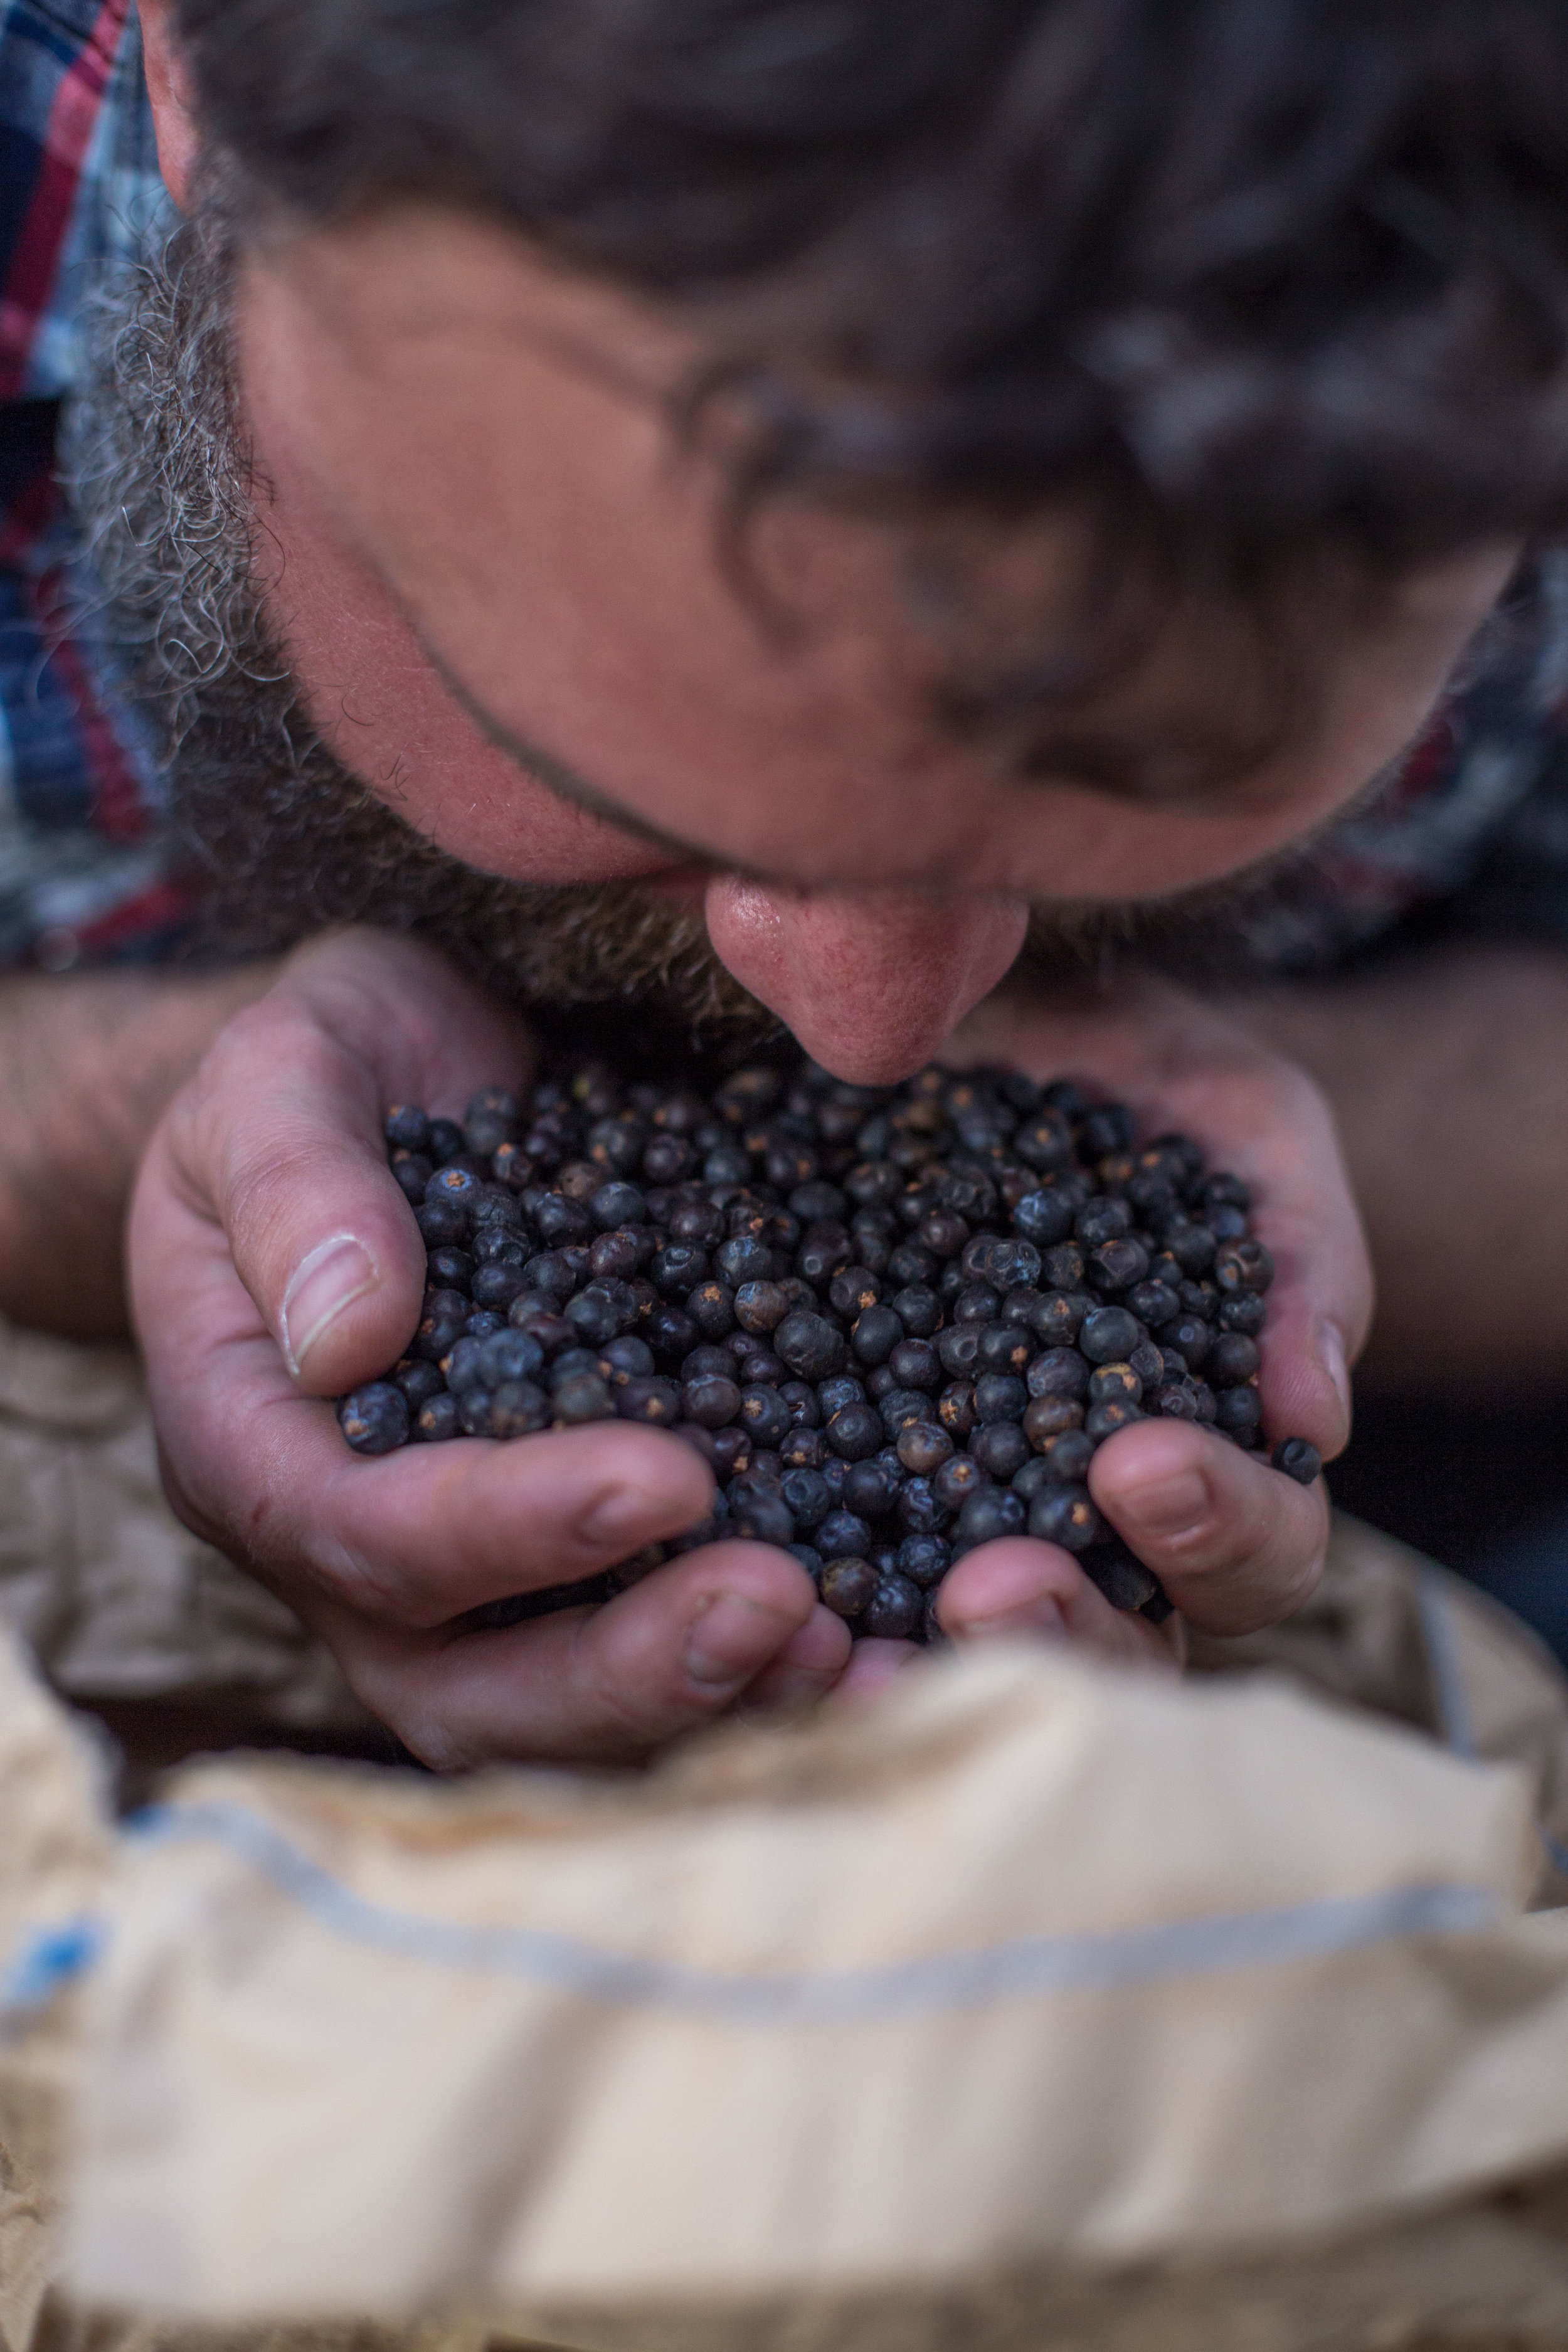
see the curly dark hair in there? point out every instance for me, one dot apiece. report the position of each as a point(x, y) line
point(1237, 280)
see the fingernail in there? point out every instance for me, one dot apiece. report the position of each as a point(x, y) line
point(327, 1280)
point(1166, 1506)
point(734, 1638)
point(1332, 1356)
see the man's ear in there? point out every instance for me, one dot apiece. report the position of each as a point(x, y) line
point(168, 86)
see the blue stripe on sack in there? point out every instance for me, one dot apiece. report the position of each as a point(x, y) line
point(51, 1959)
point(1117, 1961)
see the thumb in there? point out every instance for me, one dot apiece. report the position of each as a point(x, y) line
point(281, 1142)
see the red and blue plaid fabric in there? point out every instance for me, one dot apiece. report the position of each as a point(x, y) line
point(85, 874)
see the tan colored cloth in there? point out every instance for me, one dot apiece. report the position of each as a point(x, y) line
point(1391, 1634)
point(485, 2124)
point(115, 1599)
point(56, 1852)
point(1029, 1974)
point(1360, 2150)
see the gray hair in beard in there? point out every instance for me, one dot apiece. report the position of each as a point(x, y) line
point(173, 597)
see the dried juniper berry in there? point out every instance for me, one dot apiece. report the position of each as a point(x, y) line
point(855, 1431)
point(924, 1559)
point(992, 1512)
point(762, 1517)
point(848, 1586)
point(1242, 1311)
point(1298, 1459)
point(895, 1610)
point(435, 1419)
point(1001, 1448)
point(418, 1381)
point(375, 1419)
point(1065, 1515)
point(958, 1481)
point(836, 1286)
point(1047, 1418)
point(870, 1487)
point(765, 1415)
point(955, 1408)
point(1238, 1409)
point(518, 1408)
point(1058, 1372)
point(1108, 1335)
point(923, 1447)
point(1233, 1358)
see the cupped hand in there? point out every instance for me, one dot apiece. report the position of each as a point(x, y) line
point(275, 1263)
point(1236, 1546)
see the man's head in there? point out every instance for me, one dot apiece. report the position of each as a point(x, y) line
point(864, 471)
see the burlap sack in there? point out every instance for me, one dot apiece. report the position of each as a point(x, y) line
point(115, 1599)
point(1035, 2006)
point(289, 2106)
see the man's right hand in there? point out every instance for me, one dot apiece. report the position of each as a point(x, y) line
point(275, 1263)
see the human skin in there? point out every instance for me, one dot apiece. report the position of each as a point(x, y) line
point(864, 876)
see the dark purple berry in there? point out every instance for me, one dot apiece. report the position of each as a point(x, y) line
point(1006, 1347)
point(1001, 1448)
point(923, 1560)
point(992, 1513)
point(1065, 1515)
point(923, 1447)
point(1243, 1265)
point(582, 1397)
point(1060, 1371)
point(654, 1401)
point(765, 1415)
point(855, 1432)
point(1108, 1335)
point(1238, 1409)
point(375, 1419)
point(808, 1496)
point(1233, 1358)
point(895, 1610)
point(762, 1517)
point(1242, 1311)
point(518, 1408)
point(407, 1128)
point(1103, 1420)
point(848, 1586)
point(1299, 1459)
point(813, 1348)
point(999, 1396)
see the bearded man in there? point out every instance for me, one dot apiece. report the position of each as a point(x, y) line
point(922, 528)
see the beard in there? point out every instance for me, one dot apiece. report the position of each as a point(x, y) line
point(172, 600)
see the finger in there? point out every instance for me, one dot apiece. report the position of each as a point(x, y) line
point(280, 1139)
point(604, 1685)
point(1019, 1589)
point(872, 1665)
point(415, 1538)
point(1235, 1545)
point(805, 1669)
point(1178, 1065)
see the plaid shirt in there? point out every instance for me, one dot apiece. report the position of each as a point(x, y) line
point(1477, 815)
point(84, 875)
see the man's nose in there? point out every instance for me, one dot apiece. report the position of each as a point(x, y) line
point(871, 986)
